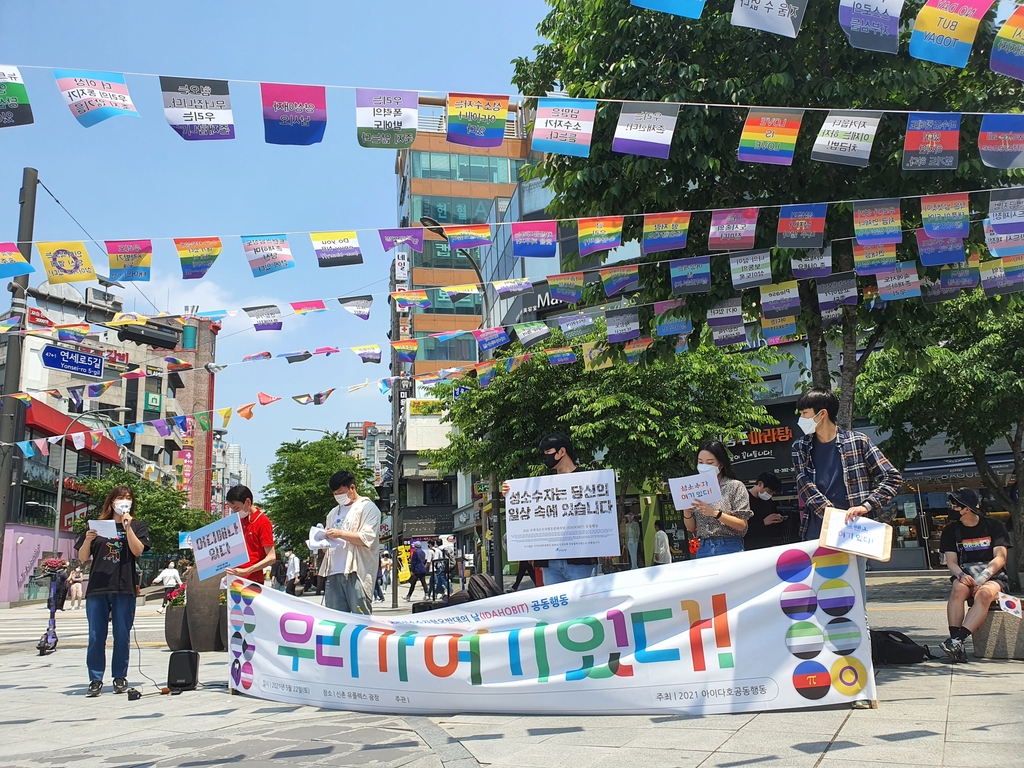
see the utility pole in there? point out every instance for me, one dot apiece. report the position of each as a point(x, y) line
point(12, 417)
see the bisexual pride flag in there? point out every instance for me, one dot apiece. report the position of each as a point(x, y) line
point(665, 232)
point(564, 126)
point(769, 136)
point(308, 307)
point(94, 97)
point(535, 239)
point(294, 114)
point(476, 120)
point(197, 255)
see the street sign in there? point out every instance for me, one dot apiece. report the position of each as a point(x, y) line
point(72, 361)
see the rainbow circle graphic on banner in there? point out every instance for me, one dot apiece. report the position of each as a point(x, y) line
point(842, 636)
point(811, 680)
point(836, 597)
point(849, 676)
point(830, 564)
point(799, 601)
point(793, 565)
point(804, 640)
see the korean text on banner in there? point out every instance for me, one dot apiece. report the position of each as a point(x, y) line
point(336, 249)
point(562, 516)
point(476, 120)
point(691, 639)
point(690, 275)
point(846, 138)
point(538, 240)
point(66, 262)
point(94, 97)
point(944, 32)
point(564, 126)
point(645, 128)
point(872, 26)
point(219, 546)
point(813, 263)
point(267, 253)
point(802, 226)
point(294, 114)
point(700, 487)
point(197, 255)
point(386, 119)
point(769, 136)
point(599, 234)
point(784, 19)
point(198, 110)
point(1001, 141)
point(665, 232)
point(946, 215)
point(932, 142)
point(130, 260)
point(12, 263)
point(877, 221)
point(732, 229)
point(865, 537)
point(15, 109)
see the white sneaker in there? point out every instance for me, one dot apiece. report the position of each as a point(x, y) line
point(159, 610)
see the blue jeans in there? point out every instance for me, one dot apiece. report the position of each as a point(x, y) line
point(440, 583)
point(725, 545)
point(121, 610)
point(561, 571)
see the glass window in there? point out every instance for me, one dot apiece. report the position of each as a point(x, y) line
point(479, 168)
point(460, 168)
point(499, 170)
point(437, 493)
point(439, 166)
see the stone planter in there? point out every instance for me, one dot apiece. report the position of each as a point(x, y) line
point(176, 628)
point(222, 626)
point(203, 611)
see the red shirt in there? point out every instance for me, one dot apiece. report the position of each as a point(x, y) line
point(259, 534)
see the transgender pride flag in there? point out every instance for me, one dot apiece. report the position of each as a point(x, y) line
point(94, 97)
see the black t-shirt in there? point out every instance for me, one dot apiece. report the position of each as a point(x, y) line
point(830, 480)
point(977, 543)
point(758, 534)
point(113, 564)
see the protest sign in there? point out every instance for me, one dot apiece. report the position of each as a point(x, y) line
point(864, 536)
point(770, 629)
point(219, 546)
point(105, 528)
point(562, 516)
point(700, 487)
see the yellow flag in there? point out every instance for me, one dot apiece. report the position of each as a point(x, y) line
point(66, 262)
point(127, 318)
point(225, 414)
point(592, 352)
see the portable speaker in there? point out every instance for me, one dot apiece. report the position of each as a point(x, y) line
point(183, 671)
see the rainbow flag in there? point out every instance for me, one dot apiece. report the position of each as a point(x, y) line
point(872, 259)
point(946, 215)
point(130, 260)
point(406, 350)
point(476, 120)
point(8, 325)
point(294, 114)
point(665, 232)
point(469, 236)
point(197, 255)
point(560, 355)
point(485, 372)
point(636, 348)
point(407, 299)
point(308, 307)
point(769, 136)
point(944, 32)
point(599, 234)
point(23, 397)
point(74, 333)
point(127, 318)
point(567, 287)
point(877, 221)
point(1008, 47)
point(564, 126)
point(619, 279)
point(12, 263)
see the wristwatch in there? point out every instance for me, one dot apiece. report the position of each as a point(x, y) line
point(719, 515)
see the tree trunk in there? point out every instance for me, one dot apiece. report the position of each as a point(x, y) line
point(991, 481)
point(818, 351)
point(850, 369)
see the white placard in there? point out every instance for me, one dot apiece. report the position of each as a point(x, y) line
point(864, 536)
point(105, 528)
point(556, 517)
point(702, 487)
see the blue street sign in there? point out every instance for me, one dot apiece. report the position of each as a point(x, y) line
point(73, 361)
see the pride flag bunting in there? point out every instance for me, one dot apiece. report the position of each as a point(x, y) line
point(846, 137)
point(265, 317)
point(485, 372)
point(267, 253)
point(476, 120)
point(780, 299)
point(944, 31)
point(410, 236)
point(769, 136)
point(560, 355)
point(620, 279)
point(802, 226)
point(872, 26)
point(12, 263)
point(130, 260)
point(665, 232)
point(198, 110)
point(932, 142)
point(937, 251)
point(368, 354)
point(599, 234)
point(468, 236)
point(750, 270)
point(197, 255)
point(245, 411)
point(877, 221)
point(490, 338)
point(406, 350)
point(813, 263)
point(294, 114)
point(690, 275)
point(1006, 211)
point(998, 141)
point(872, 259)
point(358, 305)
point(534, 239)
point(564, 126)
point(308, 307)
point(567, 287)
point(645, 128)
point(14, 98)
point(517, 286)
point(66, 262)
point(946, 215)
point(690, 9)
point(94, 97)
point(900, 282)
point(1008, 47)
point(732, 229)
point(635, 349)
point(408, 299)
point(336, 249)
point(386, 119)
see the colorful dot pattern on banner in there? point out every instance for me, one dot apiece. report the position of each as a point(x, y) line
point(836, 597)
point(811, 680)
point(830, 564)
point(799, 602)
point(849, 676)
point(842, 636)
point(804, 640)
point(243, 624)
point(793, 566)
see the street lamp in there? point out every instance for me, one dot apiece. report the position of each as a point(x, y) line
point(312, 429)
point(63, 456)
point(434, 226)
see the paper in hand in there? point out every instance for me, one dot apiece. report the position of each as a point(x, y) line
point(105, 528)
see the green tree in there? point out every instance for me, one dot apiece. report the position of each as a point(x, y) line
point(611, 50)
point(645, 420)
point(970, 387)
point(164, 510)
point(298, 495)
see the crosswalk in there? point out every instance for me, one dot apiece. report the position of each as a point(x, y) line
point(21, 628)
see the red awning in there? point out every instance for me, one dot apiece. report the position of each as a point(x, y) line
point(52, 422)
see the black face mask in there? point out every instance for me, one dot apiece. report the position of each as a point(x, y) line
point(549, 459)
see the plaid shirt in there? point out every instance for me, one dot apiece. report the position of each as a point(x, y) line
point(864, 466)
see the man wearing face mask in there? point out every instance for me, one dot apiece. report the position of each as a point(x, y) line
point(764, 528)
point(257, 532)
point(353, 528)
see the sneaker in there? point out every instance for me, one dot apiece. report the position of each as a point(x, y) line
point(159, 610)
point(120, 685)
point(954, 648)
point(862, 704)
point(94, 689)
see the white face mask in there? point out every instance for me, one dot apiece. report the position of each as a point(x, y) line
point(807, 425)
point(705, 468)
point(342, 499)
point(122, 506)
point(764, 496)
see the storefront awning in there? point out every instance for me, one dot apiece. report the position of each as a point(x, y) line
point(53, 422)
point(955, 467)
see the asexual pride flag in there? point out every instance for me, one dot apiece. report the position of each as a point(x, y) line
point(198, 110)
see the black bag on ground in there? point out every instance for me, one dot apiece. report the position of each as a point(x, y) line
point(482, 585)
point(891, 647)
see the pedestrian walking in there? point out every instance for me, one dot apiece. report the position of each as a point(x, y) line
point(418, 569)
point(292, 575)
point(378, 585)
point(662, 548)
point(719, 526)
point(171, 580)
point(632, 540)
point(75, 594)
point(353, 529)
point(525, 569)
point(110, 598)
point(441, 583)
point(278, 573)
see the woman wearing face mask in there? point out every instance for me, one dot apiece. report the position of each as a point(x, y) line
point(719, 526)
point(111, 591)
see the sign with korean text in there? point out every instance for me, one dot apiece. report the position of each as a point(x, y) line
point(802, 226)
point(778, 17)
point(386, 119)
point(1008, 47)
point(901, 282)
point(562, 516)
point(94, 97)
point(535, 239)
point(732, 229)
point(665, 231)
point(932, 142)
point(66, 262)
point(294, 114)
point(872, 25)
point(72, 361)
point(834, 291)
point(846, 138)
point(645, 128)
point(690, 275)
point(700, 487)
point(476, 120)
point(197, 255)
point(946, 215)
point(130, 260)
point(1001, 141)
point(936, 251)
point(198, 110)
point(337, 249)
point(14, 106)
point(219, 546)
point(877, 221)
point(812, 263)
point(564, 126)
point(267, 253)
point(865, 537)
point(944, 31)
point(1006, 211)
point(750, 270)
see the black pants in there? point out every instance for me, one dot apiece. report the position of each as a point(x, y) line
point(525, 569)
point(290, 587)
point(167, 595)
point(418, 578)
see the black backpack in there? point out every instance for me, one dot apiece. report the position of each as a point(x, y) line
point(890, 647)
point(482, 585)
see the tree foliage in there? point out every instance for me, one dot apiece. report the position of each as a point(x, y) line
point(644, 420)
point(609, 49)
point(970, 387)
point(163, 509)
point(298, 495)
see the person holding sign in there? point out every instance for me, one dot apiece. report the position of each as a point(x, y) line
point(975, 549)
point(258, 533)
point(353, 533)
point(112, 582)
point(720, 525)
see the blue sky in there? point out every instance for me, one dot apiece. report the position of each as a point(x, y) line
point(135, 178)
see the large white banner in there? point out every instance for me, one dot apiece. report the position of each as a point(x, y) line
point(555, 517)
point(769, 629)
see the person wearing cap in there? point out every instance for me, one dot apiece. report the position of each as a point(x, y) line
point(975, 547)
point(418, 569)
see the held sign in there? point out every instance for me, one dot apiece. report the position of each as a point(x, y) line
point(72, 361)
point(770, 629)
point(219, 546)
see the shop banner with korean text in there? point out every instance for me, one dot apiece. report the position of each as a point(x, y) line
point(769, 629)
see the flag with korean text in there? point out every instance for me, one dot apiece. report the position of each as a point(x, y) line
point(665, 232)
point(386, 119)
point(1008, 47)
point(198, 110)
point(946, 215)
point(872, 25)
point(732, 229)
point(535, 239)
point(846, 137)
point(94, 97)
point(14, 105)
point(769, 136)
point(197, 255)
point(267, 254)
point(779, 18)
point(130, 260)
point(336, 249)
point(599, 234)
point(877, 221)
point(802, 226)
point(66, 262)
point(645, 128)
point(932, 142)
point(293, 114)
point(1001, 141)
point(564, 126)
point(477, 120)
point(12, 263)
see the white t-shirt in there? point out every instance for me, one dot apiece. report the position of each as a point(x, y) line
point(362, 517)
